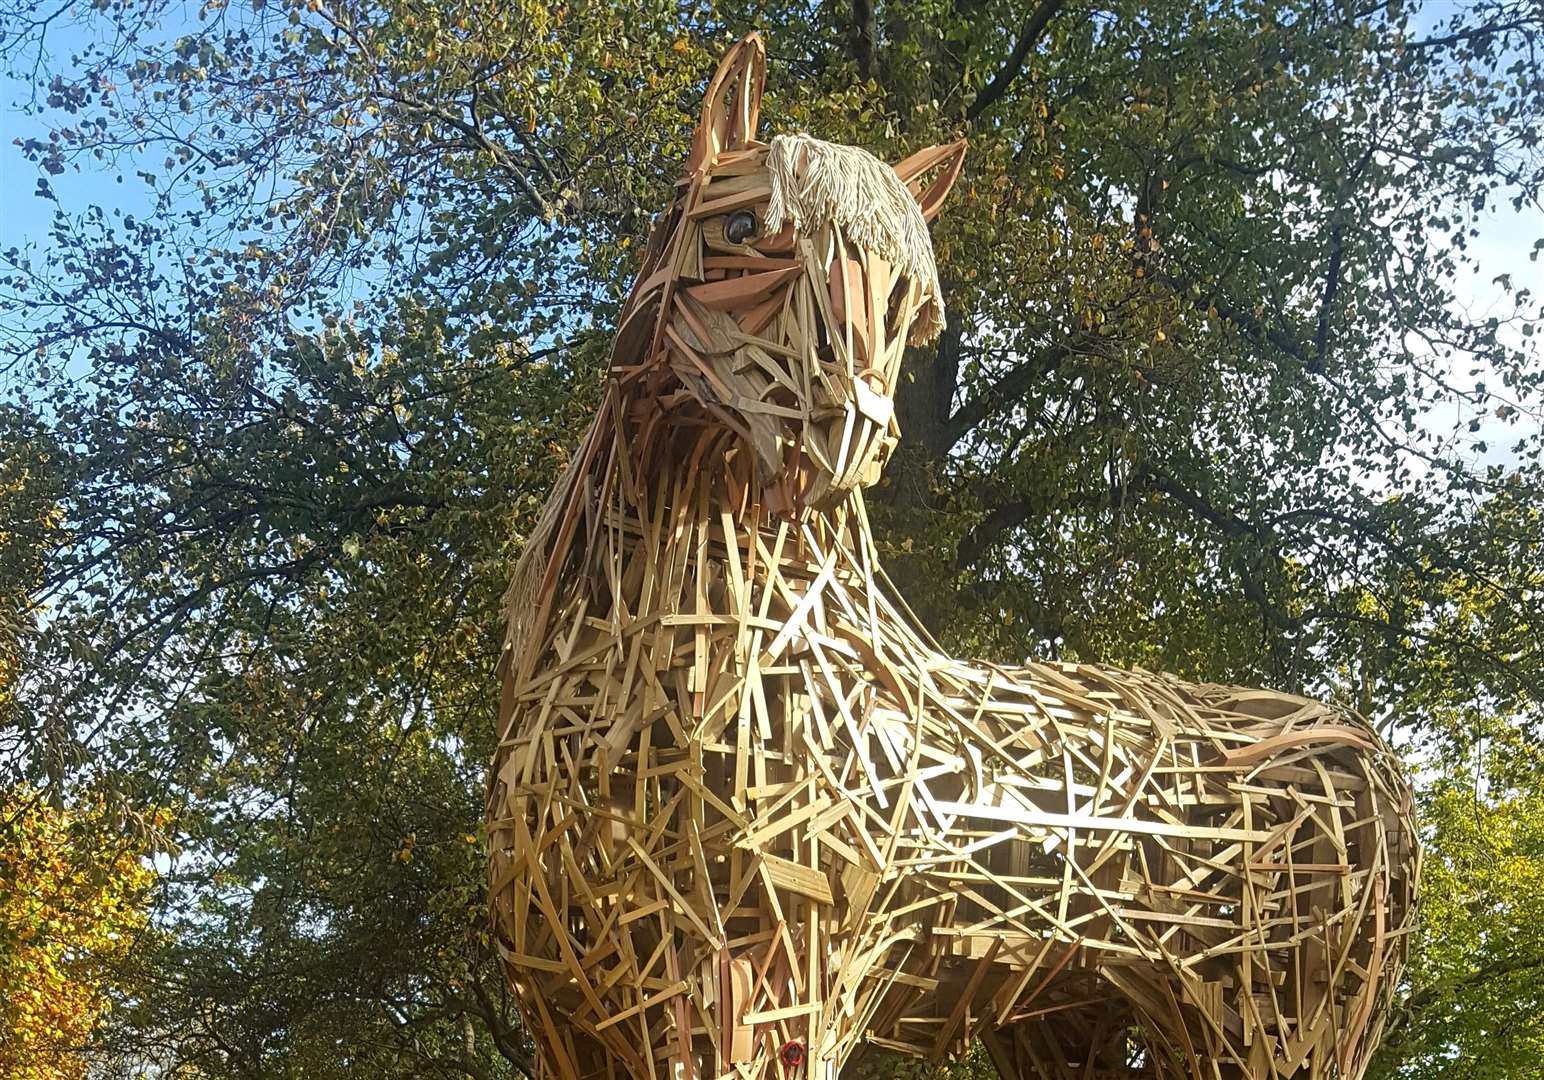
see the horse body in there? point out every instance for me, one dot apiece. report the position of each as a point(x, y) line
point(746, 818)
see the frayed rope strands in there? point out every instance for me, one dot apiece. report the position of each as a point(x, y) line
point(815, 182)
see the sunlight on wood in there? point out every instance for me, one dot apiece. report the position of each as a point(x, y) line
point(747, 819)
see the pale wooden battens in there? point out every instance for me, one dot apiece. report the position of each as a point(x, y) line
point(743, 806)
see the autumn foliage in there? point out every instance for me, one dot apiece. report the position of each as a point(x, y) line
point(71, 902)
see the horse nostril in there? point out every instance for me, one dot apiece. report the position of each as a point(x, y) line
point(823, 340)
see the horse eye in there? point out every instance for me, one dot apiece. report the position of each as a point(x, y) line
point(740, 227)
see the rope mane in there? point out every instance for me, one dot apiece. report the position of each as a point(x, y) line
point(816, 182)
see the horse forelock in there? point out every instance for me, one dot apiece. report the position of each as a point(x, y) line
point(816, 183)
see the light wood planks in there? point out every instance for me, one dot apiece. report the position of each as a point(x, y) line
point(743, 811)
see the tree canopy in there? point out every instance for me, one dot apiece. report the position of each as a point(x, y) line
point(72, 906)
point(285, 384)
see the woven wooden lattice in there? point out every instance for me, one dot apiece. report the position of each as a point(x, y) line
point(747, 819)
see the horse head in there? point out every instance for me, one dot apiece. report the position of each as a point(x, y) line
point(778, 294)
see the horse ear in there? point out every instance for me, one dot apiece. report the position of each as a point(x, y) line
point(732, 107)
point(947, 159)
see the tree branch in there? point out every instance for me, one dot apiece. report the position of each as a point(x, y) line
point(474, 132)
point(999, 519)
point(1253, 327)
point(925, 393)
point(1229, 524)
point(1011, 386)
point(1029, 36)
point(860, 36)
point(1428, 996)
point(504, 1039)
point(1321, 337)
point(1476, 32)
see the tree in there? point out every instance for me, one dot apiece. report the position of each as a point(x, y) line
point(1478, 997)
point(1194, 409)
point(74, 884)
point(71, 905)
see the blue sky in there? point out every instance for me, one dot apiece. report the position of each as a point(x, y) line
point(24, 216)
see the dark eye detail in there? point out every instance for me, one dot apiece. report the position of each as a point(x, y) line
point(740, 226)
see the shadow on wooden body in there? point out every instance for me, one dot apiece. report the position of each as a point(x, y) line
point(745, 817)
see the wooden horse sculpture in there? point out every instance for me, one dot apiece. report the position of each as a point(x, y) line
point(746, 818)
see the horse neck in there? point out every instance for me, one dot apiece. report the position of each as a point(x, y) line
point(679, 493)
point(635, 529)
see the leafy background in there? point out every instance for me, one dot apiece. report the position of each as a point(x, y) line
point(302, 305)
